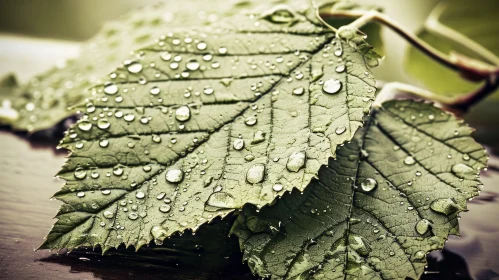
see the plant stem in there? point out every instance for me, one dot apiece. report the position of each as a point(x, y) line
point(481, 73)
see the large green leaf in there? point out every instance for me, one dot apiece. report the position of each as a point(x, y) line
point(45, 99)
point(207, 120)
point(476, 22)
point(392, 194)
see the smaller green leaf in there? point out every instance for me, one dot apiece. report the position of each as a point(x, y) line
point(392, 195)
point(477, 22)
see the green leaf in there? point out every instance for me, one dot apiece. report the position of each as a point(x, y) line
point(476, 22)
point(392, 194)
point(207, 120)
point(51, 93)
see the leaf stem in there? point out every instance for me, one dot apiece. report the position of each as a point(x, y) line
point(467, 67)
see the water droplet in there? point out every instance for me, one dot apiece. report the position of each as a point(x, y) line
point(431, 117)
point(255, 173)
point(140, 195)
point(80, 173)
point(156, 138)
point(466, 157)
point(129, 117)
point(110, 88)
point(80, 194)
point(249, 157)
point(174, 175)
point(165, 208)
point(462, 170)
point(423, 226)
point(259, 137)
point(340, 130)
point(419, 255)
point(155, 90)
point(147, 168)
point(277, 187)
point(338, 52)
point(331, 86)
point(299, 91)
point(222, 50)
point(409, 160)
point(134, 67)
point(183, 113)
point(159, 233)
point(103, 124)
point(296, 161)
point(118, 170)
point(108, 214)
point(340, 68)
point(106, 192)
point(238, 144)
point(221, 200)
point(85, 125)
point(193, 65)
point(202, 46)
point(279, 15)
point(368, 184)
point(133, 216)
point(208, 90)
point(250, 121)
point(444, 206)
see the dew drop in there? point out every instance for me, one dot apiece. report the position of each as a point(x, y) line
point(110, 88)
point(80, 173)
point(423, 226)
point(140, 195)
point(331, 86)
point(222, 50)
point(340, 130)
point(340, 68)
point(369, 184)
point(159, 233)
point(129, 117)
point(238, 144)
point(134, 67)
point(174, 176)
point(277, 187)
point(202, 46)
point(108, 214)
point(255, 173)
point(155, 90)
point(192, 65)
point(80, 194)
point(281, 14)
point(133, 216)
point(409, 160)
point(103, 124)
point(208, 90)
point(299, 91)
point(106, 192)
point(85, 125)
point(183, 113)
point(419, 255)
point(296, 161)
point(250, 121)
point(221, 200)
point(165, 208)
point(118, 170)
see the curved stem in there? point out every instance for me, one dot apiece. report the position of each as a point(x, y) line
point(434, 26)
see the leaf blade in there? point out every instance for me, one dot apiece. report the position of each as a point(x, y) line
point(182, 166)
point(399, 210)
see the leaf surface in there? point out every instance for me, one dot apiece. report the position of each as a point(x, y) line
point(47, 97)
point(391, 195)
point(207, 120)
